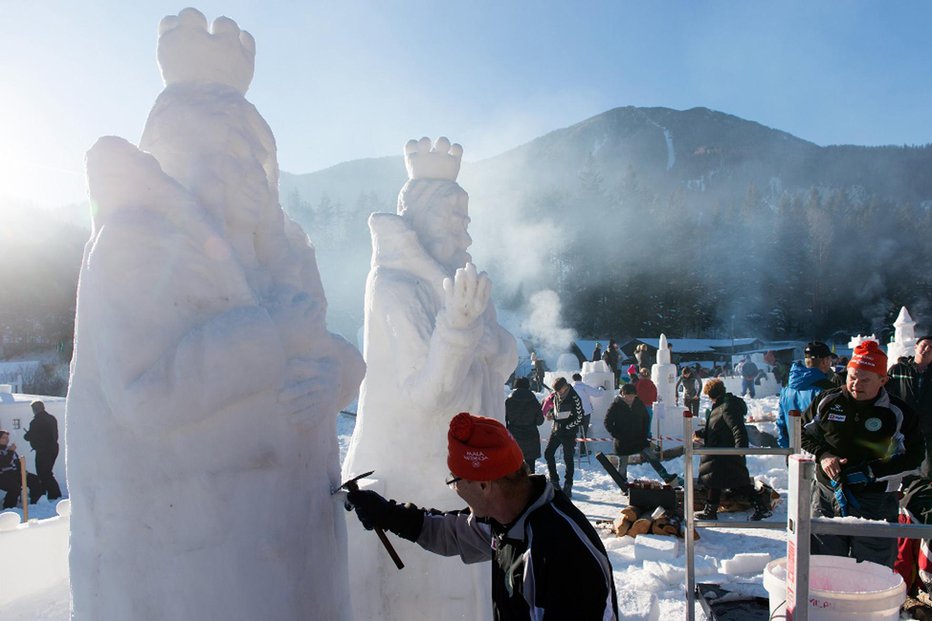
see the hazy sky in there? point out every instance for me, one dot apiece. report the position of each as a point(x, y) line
point(340, 80)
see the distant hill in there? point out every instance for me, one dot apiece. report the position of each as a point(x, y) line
point(648, 219)
point(694, 222)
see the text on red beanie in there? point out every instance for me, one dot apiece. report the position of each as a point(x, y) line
point(869, 357)
point(481, 449)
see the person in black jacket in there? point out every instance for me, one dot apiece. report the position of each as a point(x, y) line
point(911, 381)
point(523, 416)
point(42, 435)
point(864, 441)
point(612, 358)
point(11, 480)
point(538, 541)
point(628, 423)
point(567, 417)
point(724, 427)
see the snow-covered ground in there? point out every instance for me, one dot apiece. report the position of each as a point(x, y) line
point(646, 589)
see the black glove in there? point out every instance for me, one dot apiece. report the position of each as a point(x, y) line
point(374, 511)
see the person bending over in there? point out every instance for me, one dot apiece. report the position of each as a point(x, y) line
point(538, 541)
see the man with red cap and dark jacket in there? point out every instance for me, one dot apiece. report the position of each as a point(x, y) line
point(864, 441)
point(535, 537)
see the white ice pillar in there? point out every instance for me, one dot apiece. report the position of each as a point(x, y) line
point(903, 342)
point(663, 374)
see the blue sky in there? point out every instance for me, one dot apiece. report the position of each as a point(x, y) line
point(340, 80)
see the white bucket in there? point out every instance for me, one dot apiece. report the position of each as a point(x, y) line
point(840, 589)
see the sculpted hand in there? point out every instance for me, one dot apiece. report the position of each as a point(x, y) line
point(310, 385)
point(466, 296)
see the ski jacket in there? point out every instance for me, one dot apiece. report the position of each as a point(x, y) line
point(646, 391)
point(610, 356)
point(9, 460)
point(585, 391)
point(914, 556)
point(522, 417)
point(882, 434)
point(42, 434)
point(915, 388)
point(724, 427)
point(802, 386)
point(692, 387)
point(567, 412)
point(550, 543)
point(628, 426)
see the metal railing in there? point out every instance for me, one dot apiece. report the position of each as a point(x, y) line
point(689, 489)
point(800, 526)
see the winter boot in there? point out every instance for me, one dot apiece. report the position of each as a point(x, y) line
point(762, 508)
point(568, 489)
point(709, 513)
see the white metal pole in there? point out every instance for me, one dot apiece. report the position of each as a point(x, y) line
point(688, 490)
point(796, 430)
point(798, 531)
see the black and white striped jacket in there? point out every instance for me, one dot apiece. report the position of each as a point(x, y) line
point(549, 563)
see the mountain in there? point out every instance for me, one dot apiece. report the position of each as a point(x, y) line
point(649, 219)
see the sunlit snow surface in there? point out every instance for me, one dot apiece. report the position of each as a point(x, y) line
point(646, 590)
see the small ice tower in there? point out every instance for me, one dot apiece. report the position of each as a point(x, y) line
point(857, 340)
point(903, 342)
point(663, 374)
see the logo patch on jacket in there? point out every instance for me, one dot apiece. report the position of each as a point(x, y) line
point(838, 418)
point(873, 424)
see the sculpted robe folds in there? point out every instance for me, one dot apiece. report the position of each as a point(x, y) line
point(423, 367)
point(204, 392)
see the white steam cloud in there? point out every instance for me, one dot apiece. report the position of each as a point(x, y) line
point(544, 324)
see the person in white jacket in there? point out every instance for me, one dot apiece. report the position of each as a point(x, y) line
point(585, 391)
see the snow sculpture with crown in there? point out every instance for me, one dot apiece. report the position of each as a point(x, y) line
point(433, 348)
point(205, 386)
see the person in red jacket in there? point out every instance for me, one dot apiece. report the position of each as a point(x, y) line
point(647, 393)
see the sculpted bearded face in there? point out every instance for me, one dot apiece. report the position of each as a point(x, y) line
point(441, 227)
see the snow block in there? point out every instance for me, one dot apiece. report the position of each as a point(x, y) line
point(656, 548)
point(665, 572)
point(747, 563)
point(638, 605)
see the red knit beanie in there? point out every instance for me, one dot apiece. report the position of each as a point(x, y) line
point(869, 357)
point(481, 449)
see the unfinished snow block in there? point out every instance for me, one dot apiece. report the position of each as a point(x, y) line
point(745, 563)
point(638, 605)
point(655, 548)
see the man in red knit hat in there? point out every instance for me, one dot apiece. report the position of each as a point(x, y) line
point(538, 541)
point(864, 441)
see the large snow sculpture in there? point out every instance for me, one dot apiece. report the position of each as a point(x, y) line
point(433, 348)
point(202, 410)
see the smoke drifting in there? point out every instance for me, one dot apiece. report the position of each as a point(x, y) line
point(544, 324)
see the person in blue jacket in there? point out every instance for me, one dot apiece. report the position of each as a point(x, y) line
point(805, 381)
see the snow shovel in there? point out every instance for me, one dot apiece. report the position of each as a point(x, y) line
point(351, 486)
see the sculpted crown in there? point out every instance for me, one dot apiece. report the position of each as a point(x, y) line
point(441, 162)
point(188, 52)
